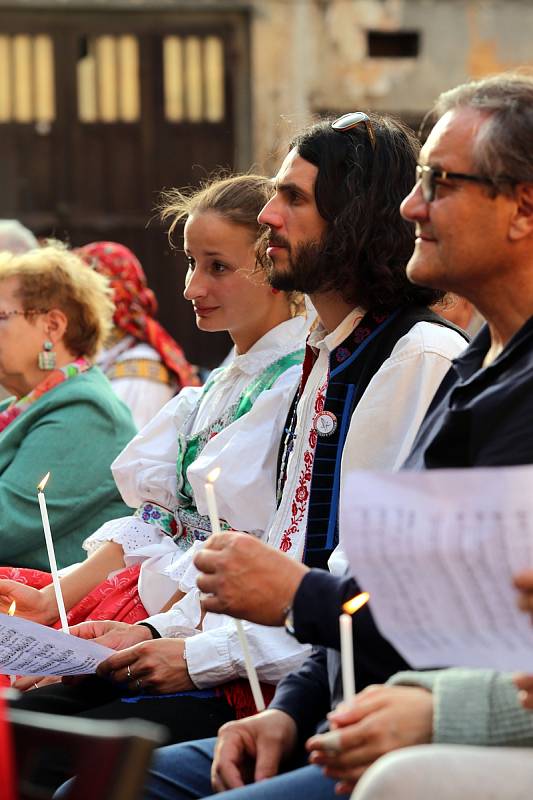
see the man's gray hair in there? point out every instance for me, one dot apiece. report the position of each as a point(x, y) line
point(503, 147)
point(15, 238)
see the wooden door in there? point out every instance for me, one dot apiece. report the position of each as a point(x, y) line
point(114, 108)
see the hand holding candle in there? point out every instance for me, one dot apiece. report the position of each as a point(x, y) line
point(51, 554)
point(347, 662)
point(215, 528)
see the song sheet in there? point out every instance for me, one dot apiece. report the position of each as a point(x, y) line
point(437, 551)
point(27, 648)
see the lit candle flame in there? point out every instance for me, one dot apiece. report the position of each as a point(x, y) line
point(357, 602)
point(12, 608)
point(42, 484)
point(213, 475)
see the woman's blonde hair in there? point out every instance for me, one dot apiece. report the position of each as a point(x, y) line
point(236, 198)
point(54, 277)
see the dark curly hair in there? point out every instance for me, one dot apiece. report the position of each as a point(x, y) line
point(358, 191)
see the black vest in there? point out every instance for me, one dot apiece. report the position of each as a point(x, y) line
point(352, 365)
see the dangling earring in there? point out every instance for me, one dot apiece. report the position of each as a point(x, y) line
point(47, 357)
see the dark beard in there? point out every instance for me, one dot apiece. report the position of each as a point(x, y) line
point(308, 271)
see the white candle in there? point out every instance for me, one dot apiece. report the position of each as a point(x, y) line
point(212, 507)
point(348, 676)
point(52, 555)
point(251, 672)
point(250, 668)
point(346, 636)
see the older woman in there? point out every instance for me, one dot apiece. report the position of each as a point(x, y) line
point(63, 416)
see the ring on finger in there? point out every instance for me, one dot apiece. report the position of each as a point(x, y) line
point(128, 670)
point(139, 684)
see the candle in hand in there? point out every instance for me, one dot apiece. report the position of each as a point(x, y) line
point(346, 635)
point(211, 500)
point(251, 671)
point(51, 554)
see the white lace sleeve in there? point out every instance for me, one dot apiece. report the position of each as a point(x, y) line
point(136, 538)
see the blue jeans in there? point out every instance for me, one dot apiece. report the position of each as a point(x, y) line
point(182, 772)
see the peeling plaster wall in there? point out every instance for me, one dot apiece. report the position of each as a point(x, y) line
point(311, 55)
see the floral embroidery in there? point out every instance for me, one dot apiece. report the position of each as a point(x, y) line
point(301, 495)
point(342, 354)
point(360, 334)
point(194, 527)
point(154, 514)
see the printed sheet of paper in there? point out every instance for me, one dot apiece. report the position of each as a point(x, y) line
point(27, 648)
point(437, 551)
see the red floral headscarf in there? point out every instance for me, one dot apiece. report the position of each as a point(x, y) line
point(136, 304)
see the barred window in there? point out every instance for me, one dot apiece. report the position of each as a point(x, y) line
point(27, 90)
point(193, 78)
point(108, 79)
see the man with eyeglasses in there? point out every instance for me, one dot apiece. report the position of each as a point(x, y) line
point(334, 232)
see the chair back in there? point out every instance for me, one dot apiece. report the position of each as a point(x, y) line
point(109, 758)
point(7, 767)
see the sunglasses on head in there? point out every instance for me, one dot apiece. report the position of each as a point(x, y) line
point(352, 120)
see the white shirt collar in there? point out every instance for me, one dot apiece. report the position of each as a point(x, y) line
point(283, 339)
point(320, 340)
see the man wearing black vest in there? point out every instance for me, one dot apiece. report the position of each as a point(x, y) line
point(377, 355)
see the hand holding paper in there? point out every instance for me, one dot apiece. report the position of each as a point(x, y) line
point(27, 648)
point(437, 551)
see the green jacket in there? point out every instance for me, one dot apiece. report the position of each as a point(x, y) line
point(473, 706)
point(74, 431)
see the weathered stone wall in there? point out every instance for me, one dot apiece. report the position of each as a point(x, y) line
point(311, 55)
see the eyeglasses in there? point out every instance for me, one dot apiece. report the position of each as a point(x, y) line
point(352, 120)
point(428, 178)
point(29, 313)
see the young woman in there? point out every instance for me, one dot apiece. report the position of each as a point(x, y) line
point(234, 422)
